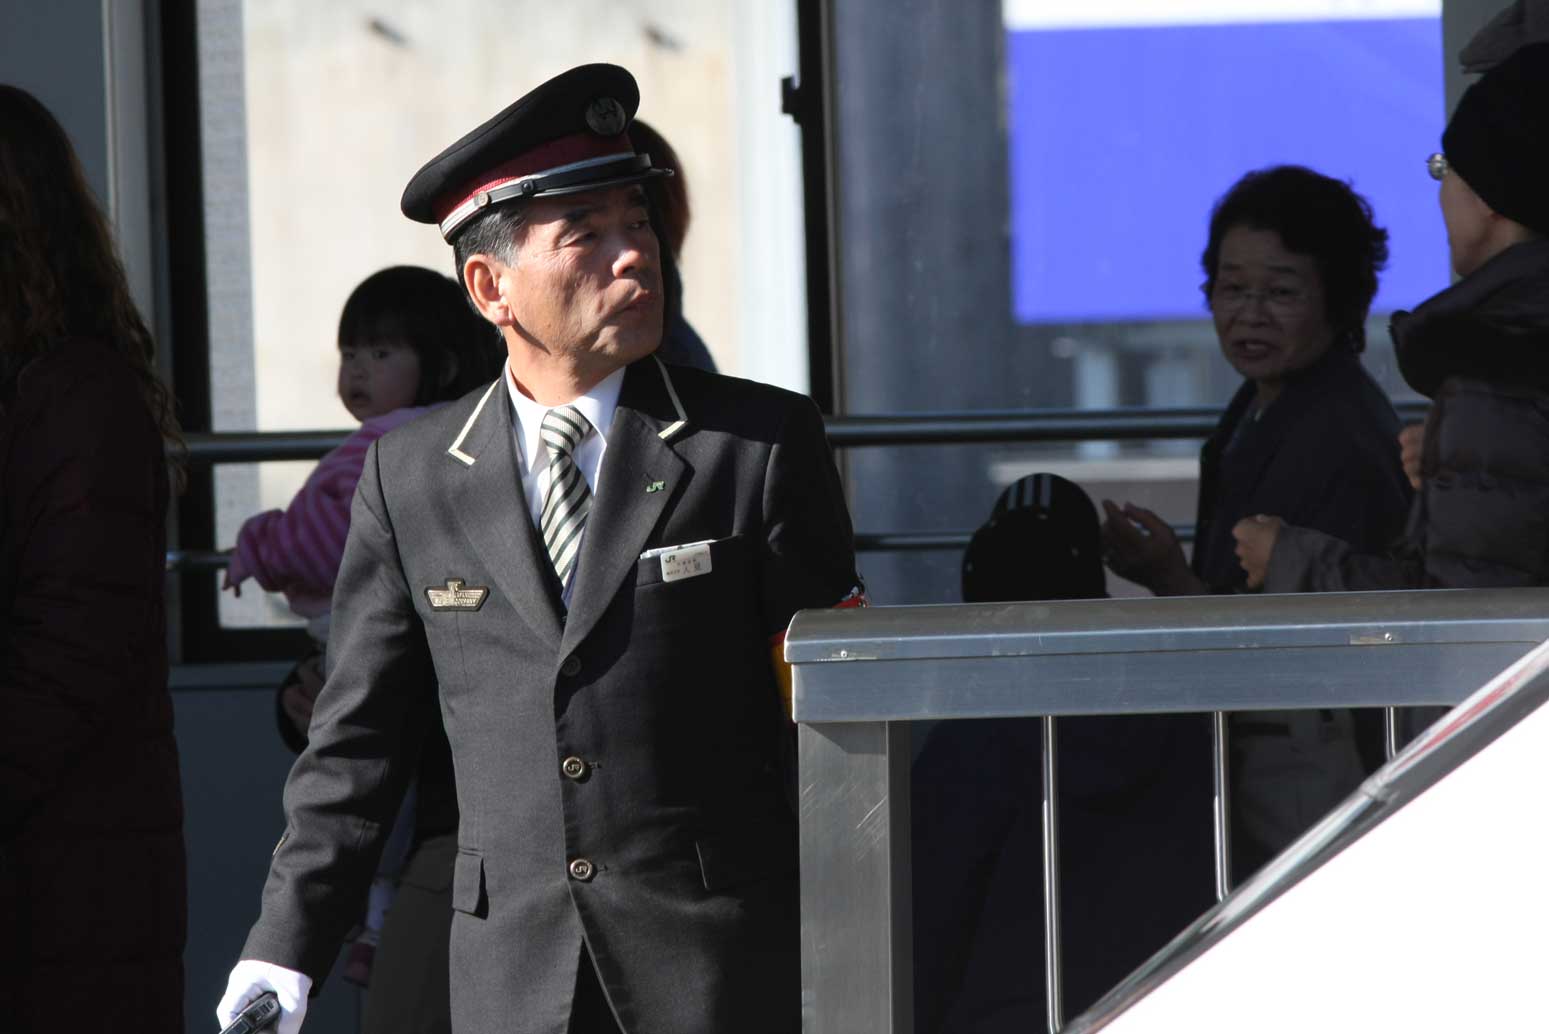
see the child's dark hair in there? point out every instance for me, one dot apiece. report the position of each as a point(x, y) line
point(1316, 216)
point(458, 351)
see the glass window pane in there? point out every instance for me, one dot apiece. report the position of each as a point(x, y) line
point(1023, 192)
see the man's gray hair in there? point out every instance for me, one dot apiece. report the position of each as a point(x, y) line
point(491, 233)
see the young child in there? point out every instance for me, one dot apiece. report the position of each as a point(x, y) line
point(408, 341)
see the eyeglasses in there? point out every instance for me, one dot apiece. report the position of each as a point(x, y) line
point(1234, 298)
point(1437, 166)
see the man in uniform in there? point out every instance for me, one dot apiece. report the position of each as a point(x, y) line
point(591, 559)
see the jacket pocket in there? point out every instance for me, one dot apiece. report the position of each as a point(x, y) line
point(726, 556)
point(468, 893)
point(746, 855)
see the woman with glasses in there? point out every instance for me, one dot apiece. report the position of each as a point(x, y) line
point(1290, 267)
point(1480, 351)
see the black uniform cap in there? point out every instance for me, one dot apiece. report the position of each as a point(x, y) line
point(566, 136)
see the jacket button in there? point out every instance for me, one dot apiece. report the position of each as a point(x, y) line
point(581, 869)
point(571, 668)
point(573, 767)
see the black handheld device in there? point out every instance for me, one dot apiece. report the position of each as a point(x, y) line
point(257, 1016)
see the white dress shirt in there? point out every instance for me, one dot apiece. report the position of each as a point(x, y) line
point(597, 406)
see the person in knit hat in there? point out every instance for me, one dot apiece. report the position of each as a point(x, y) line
point(1480, 351)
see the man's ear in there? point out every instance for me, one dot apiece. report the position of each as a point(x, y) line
point(482, 277)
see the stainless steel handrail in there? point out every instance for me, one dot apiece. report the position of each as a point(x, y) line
point(861, 677)
point(206, 448)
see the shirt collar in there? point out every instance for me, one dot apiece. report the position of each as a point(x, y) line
point(597, 405)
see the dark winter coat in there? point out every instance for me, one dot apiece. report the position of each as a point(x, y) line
point(92, 889)
point(1324, 455)
point(1480, 349)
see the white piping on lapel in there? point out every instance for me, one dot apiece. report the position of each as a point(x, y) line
point(456, 449)
point(673, 428)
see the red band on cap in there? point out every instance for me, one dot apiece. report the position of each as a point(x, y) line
point(555, 154)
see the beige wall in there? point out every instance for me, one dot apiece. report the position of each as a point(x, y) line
point(340, 103)
point(341, 113)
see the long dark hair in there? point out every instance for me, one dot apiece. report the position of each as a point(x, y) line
point(60, 276)
point(458, 351)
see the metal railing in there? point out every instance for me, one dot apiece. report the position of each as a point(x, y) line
point(861, 677)
point(843, 432)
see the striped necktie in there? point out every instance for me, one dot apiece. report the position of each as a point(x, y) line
point(567, 500)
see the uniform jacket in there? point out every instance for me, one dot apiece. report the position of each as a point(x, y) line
point(1480, 349)
point(618, 767)
point(92, 888)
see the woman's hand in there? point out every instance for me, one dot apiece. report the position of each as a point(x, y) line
point(1140, 546)
point(1410, 440)
point(227, 581)
point(1256, 537)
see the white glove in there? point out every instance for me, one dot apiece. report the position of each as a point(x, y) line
point(251, 978)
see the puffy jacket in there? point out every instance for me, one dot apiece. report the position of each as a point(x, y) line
point(1480, 349)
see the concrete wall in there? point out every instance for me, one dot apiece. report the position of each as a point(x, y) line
point(234, 768)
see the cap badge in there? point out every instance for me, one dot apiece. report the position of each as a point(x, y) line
point(606, 116)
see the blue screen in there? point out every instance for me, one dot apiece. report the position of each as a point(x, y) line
point(1121, 139)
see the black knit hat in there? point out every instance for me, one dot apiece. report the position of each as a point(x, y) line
point(1498, 139)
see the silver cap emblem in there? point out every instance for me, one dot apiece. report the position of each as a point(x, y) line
point(605, 116)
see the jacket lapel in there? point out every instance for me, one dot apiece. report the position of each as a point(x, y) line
point(625, 508)
point(488, 501)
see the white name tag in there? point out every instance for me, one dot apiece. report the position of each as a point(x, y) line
point(688, 562)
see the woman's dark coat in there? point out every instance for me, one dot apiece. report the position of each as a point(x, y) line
point(1323, 455)
point(92, 880)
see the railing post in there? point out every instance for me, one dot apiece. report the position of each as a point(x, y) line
point(857, 935)
point(1221, 764)
point(1052, 982)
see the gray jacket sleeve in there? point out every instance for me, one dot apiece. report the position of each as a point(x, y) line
point(345, 789)
point(1304, 560)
